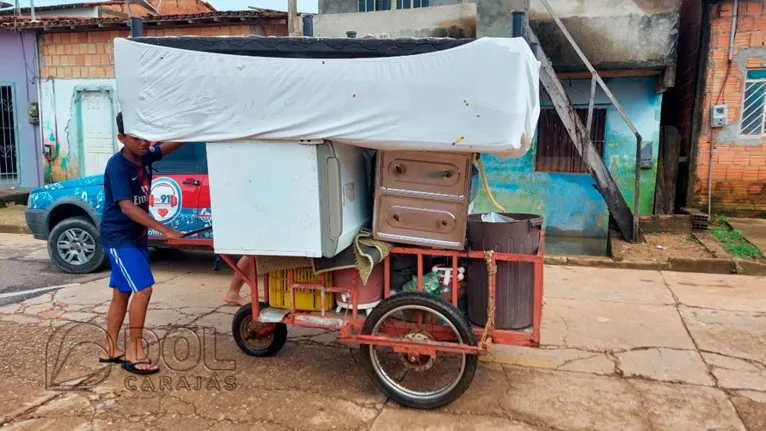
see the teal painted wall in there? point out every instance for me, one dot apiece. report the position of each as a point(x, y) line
point(569, 203)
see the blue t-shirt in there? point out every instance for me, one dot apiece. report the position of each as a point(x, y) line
point(124, 180)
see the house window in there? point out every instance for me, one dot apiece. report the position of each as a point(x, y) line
point(556, 151)
point(411, 4)
point(373, 5)
point(754, 101)
point(8, 151)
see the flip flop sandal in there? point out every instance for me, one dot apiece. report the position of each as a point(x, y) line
point(114, 360)
point(131, 367)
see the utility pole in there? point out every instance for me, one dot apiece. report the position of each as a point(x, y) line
point(293, 20)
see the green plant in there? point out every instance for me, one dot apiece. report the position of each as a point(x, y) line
point(735, 243)
point(725, 234)
point(743, 251)
point(721, 220)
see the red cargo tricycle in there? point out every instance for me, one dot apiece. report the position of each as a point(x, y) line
point(419, 349)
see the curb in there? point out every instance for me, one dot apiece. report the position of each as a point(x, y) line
point(700, 266)
point(10, 228)
point(605, 262)
point(748, 267)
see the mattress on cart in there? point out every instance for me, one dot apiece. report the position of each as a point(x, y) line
point(480, 96)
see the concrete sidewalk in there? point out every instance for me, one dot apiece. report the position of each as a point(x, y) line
point(628, 350)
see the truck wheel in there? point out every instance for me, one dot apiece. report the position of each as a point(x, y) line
point(74, 245)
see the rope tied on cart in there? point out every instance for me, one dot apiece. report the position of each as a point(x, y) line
point(491, 271)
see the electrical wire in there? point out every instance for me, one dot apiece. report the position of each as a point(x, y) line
point(728, 66)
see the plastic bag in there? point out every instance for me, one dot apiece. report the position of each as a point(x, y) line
point(475, 182)
point(431, 284)
point(496, 218)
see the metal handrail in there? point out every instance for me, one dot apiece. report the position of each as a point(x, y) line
point(596, 79)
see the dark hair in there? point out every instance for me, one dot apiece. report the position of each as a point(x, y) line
point(120, 126)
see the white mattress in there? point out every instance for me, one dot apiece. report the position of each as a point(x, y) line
point(479, 97)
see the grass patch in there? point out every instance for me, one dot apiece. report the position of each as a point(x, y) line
point(734, 243)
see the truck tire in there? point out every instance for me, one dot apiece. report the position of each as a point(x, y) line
point(74, 246)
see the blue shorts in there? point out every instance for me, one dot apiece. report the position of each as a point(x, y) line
point(130, 269)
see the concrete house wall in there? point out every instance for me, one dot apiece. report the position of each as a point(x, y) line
point(613, 34)
point(77, 67)
point(635, 40)
point(85, 12)
point(570, 204)
point(18, 69)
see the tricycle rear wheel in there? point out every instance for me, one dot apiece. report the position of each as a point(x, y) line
point(255, 338)
point(404, 308)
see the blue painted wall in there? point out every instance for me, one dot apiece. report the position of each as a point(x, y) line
point(569, 203)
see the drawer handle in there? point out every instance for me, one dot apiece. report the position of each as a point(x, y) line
point(396, 217)
point(448, 174)
point(398, 169)
point(444, 223)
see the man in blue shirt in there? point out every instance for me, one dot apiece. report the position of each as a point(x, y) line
point(124, 224)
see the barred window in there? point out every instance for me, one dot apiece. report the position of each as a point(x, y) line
point(753, 103)
point(556, 151)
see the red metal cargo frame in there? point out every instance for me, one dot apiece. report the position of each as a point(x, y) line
point(350, 326)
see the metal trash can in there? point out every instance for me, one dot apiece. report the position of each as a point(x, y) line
point(514, 299)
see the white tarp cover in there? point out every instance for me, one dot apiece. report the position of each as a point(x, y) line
point(479, 97)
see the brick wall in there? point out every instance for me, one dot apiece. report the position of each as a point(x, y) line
point(135, 10)
point(168, 7)
point(675, 223)
point(77, 55)
point(738, 162)
point(177, 7)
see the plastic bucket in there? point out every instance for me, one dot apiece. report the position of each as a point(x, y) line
point(514, 299)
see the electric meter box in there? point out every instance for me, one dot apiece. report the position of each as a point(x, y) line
point(719, 116)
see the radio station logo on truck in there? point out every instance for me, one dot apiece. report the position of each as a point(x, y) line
point(165, 199)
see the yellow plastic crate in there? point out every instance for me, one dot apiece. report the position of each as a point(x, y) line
point(305, 299)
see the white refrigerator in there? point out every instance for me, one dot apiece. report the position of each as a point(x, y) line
point(303, 199)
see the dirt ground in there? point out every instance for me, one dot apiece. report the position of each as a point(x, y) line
point(660, 247)
point(12, 215)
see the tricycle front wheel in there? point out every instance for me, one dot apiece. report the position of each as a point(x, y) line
point(256, 338)
point(413, 379)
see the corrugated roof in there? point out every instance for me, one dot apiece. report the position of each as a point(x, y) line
point(159, 20)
